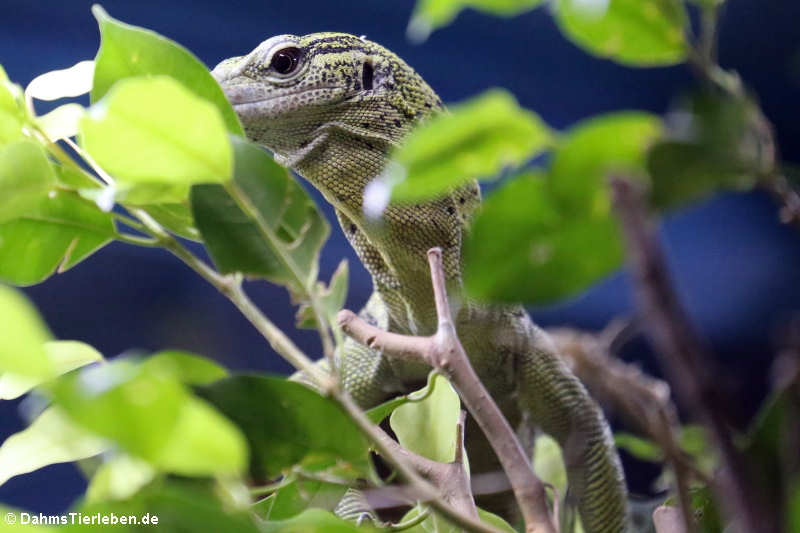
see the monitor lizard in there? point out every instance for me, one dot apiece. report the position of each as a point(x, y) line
point(332, 106)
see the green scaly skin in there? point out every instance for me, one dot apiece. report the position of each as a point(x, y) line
point(333, 118)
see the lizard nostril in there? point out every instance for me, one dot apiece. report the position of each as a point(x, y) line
point(366, 76)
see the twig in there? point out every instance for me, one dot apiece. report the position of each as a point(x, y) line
point(685, 359)
point(444, 352)
point(667, 520)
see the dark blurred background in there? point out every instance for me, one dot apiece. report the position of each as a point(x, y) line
point(736, 268)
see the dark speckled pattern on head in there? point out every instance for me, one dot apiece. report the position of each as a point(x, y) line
point(322, 121)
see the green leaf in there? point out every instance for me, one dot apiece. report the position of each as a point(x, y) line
point(437, 524)
point(429, 427)
point(717, 145)
point(24, 334)
point(300, 495)
point(288, 424)
point(548, 463)
point(331, 300)
point(594, 150)
point(378, 413)
point(26, 176)
point(177, 218)
point(638, 447)
point(521, 248)
point(51, 438)
point(267, 226)
point(476, 140)
point(431, 14)
point(119, 478)
point(128, 51)
point(314, 521)
point(57, 233)
point(640, 33)
point(169, 506)
point(64, 356)
point(153, 416)
point(185, 367)
point(12, 114)
point(155, 131)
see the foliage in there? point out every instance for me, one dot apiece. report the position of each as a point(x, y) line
point(172, 434)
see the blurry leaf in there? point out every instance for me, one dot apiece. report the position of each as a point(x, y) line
point(429, 427)
point(65, 83)
point(168, 506)
point(64, 356)
point(431, 14)
point(548, 463)
point(315, 521)
point(793, 518)
point(26, 176)
point(693, 441)
point(119, 479)
point(185, 367)
point(128, 51)
point(73, 178)
point(12, 114)
point(435, 524)
point(715, 145)
point(632, 32)
point(476, 140)
point(154, 131)
point(23, 336)
point(151, 415)
point(522, 249)
point(706, 513)
point(595, 149)
point(267, 227)
point(638, 447)
point(57, 233)
point(177, 218)
point(770, 444)
point(288, 424)
point(300, 495)
point(51, 438)
point(331, 300)
point(61, 122)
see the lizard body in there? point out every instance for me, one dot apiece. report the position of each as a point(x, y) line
point(332, 106)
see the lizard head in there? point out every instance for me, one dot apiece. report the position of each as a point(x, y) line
point(290, 89)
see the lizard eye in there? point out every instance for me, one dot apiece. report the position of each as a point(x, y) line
point(285, 61)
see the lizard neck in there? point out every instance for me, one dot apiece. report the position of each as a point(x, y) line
point(393, 249)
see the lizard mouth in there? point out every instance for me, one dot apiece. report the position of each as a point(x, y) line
point(244, 103)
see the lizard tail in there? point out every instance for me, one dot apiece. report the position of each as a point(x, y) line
point(560, 405)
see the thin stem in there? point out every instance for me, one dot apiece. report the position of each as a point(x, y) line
point(136, 240)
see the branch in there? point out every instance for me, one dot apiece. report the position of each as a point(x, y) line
point(444, 352)
point(685, 359)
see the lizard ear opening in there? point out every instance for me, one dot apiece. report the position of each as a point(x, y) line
point(367, 75)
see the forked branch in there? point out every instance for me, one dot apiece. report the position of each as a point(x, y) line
point(444, 352)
